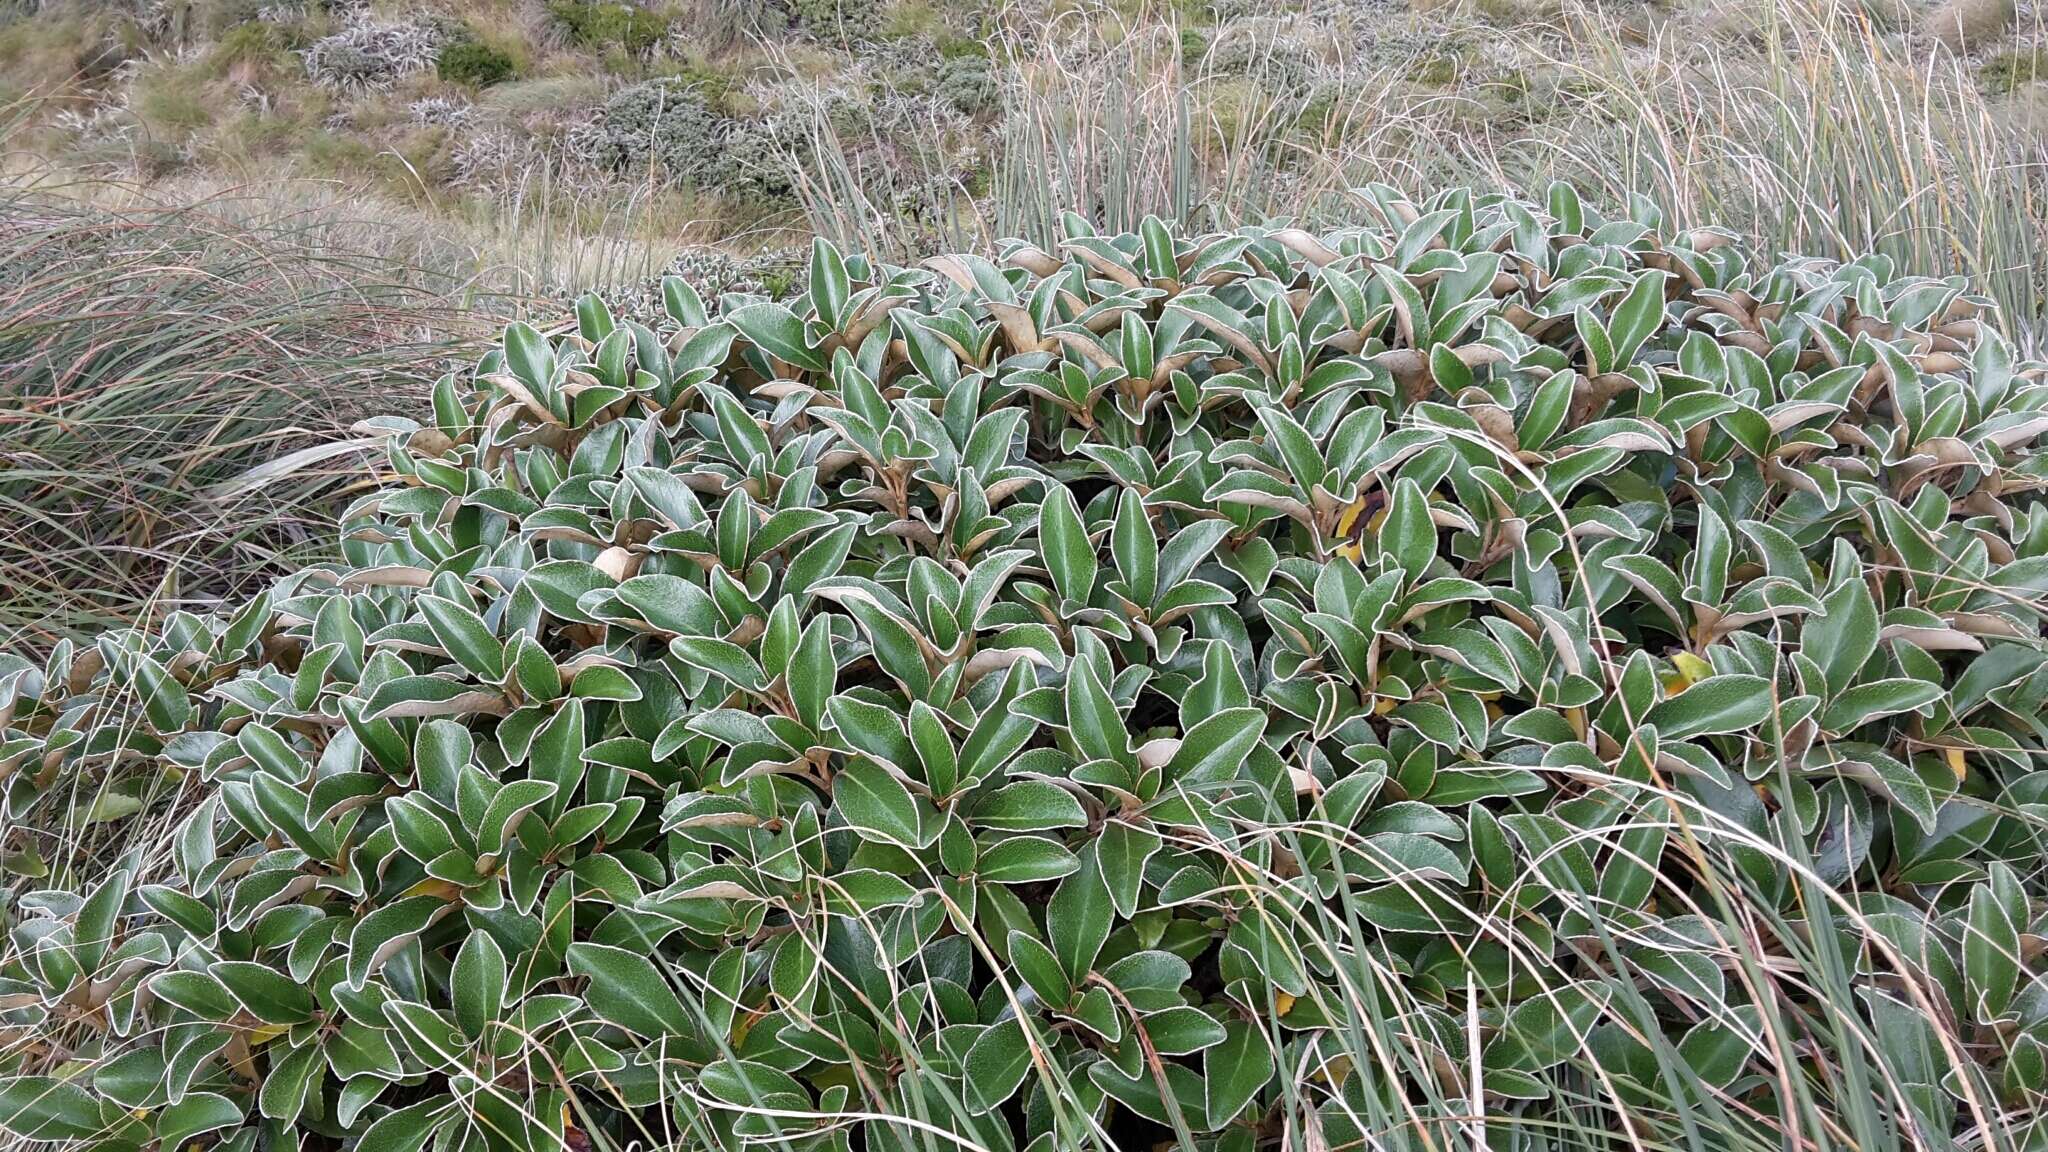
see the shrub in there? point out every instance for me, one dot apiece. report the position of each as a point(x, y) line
point(475, 63)
point(666, 123)
point(602, 24)
point(840, 21)
point(967, 84)
point(1172, 692)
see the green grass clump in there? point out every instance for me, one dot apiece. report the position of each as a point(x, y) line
point(1501, 669)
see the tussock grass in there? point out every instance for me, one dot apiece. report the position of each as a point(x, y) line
point(154, 352)
point(1800, 123)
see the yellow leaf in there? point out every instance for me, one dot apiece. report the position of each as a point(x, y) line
point(1283, 1003)
point(264, 1034)
point(1690, 671)
point(1383, 705)
point(1576, 717)
point(433, 887)
point(1954, 756)
point(1349, 520)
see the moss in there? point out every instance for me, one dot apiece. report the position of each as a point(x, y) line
point(474, 63)
point(520, 98)
point(1442, 65)
point(913, 18)
point(2014, 68)
point(718, 89)
point(953, 46)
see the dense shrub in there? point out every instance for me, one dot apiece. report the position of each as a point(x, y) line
point(475, 63)
point(1191, 692)
point(967, 84)
point(603, 24)
point(666, 123)
point(840, 21)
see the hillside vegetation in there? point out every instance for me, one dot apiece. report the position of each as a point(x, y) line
point(736, 128)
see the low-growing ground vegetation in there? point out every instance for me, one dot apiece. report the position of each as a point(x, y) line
point(1034, 600)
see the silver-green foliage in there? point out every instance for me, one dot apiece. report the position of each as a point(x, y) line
point(1233, 690)
point(667, 125)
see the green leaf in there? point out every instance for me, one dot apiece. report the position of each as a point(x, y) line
point(829, 286)
point(1025, 860)
point(1121, 852)
point(774, 329)
point(1029, 806)
point(384, 931)
point(465, 636)
point(1407, 537)
point(267, 994)
point(1136, 549)
point(1040, 969)
point(996, 1064)
point(1093, 717)
point(1841, 641)
point(1079, 917)
point(627, 991)
point(1991, 941)
point(1721, 703)
point(288, 1083)
point(164, 700)
point(1063, 542)
point(1863, 703)
point(46, 1108)
point(878, 806)
point(1234, 1070)
point(407, 1129)
point(1214, 749)
point(477, 982)
point(721, 658)
point(195, 1115)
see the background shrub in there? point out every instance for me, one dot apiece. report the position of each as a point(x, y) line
point(475, 63)
point(604, 24)
point(840, 21)
point(663, 122)
point(1501, 669)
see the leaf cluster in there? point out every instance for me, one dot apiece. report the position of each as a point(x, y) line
point(1235, 690)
